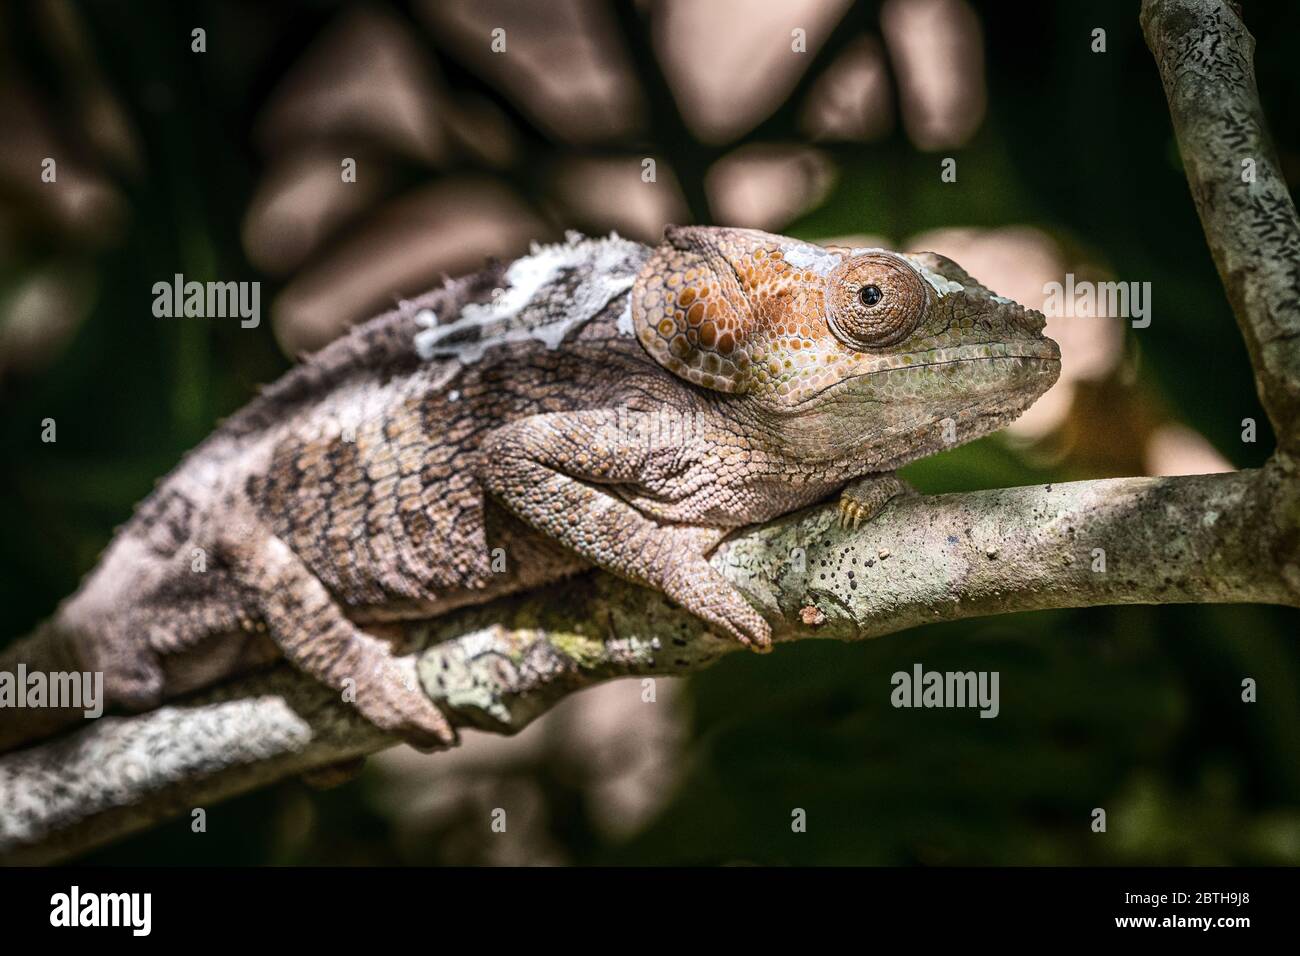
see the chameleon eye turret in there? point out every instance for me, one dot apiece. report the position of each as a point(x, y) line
point(875, 300)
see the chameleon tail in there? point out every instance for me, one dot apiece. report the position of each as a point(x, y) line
point(44, 651)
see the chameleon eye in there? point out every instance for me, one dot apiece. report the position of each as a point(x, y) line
point(869, 295)
point(875, 300)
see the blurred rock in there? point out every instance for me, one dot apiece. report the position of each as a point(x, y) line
point(38, 316)
point(730, 63)
point(766, 186)
point(300, 200)
point(563, 62)
point(99, 113)
point(937, 48)
point(365, 81)
point(851, 100)
point(1174, 449)
point(597, 195)
point(406, 247)
point(81, 204)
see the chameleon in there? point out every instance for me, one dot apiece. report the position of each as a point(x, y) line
point(598, 402)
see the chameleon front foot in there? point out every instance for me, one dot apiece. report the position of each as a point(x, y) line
point(863, 499)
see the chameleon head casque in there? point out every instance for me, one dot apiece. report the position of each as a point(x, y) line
point(800, 331)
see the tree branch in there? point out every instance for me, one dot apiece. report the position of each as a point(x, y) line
point(1216, 538)
point(1204, 53)
point(1211, 538)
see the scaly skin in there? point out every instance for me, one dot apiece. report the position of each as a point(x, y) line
point(599, 403)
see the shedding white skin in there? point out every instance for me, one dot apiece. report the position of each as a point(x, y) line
point(940, 284)
point(626, 327)
point(547, 295)
point(557, 288)
point(812, 258)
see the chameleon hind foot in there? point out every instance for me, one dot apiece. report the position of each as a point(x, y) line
point(314, 635)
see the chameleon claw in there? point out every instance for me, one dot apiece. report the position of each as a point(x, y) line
point(865, 498)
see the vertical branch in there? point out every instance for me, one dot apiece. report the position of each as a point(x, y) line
point(1204, 53)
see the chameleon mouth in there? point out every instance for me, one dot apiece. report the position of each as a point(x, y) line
point(1039, 360)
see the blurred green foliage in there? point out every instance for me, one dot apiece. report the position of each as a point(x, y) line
point(1134, 709)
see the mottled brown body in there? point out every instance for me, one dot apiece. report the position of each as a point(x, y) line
point(395, 524)
point(521, 424)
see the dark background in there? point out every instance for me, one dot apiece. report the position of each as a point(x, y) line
point(223, 165)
